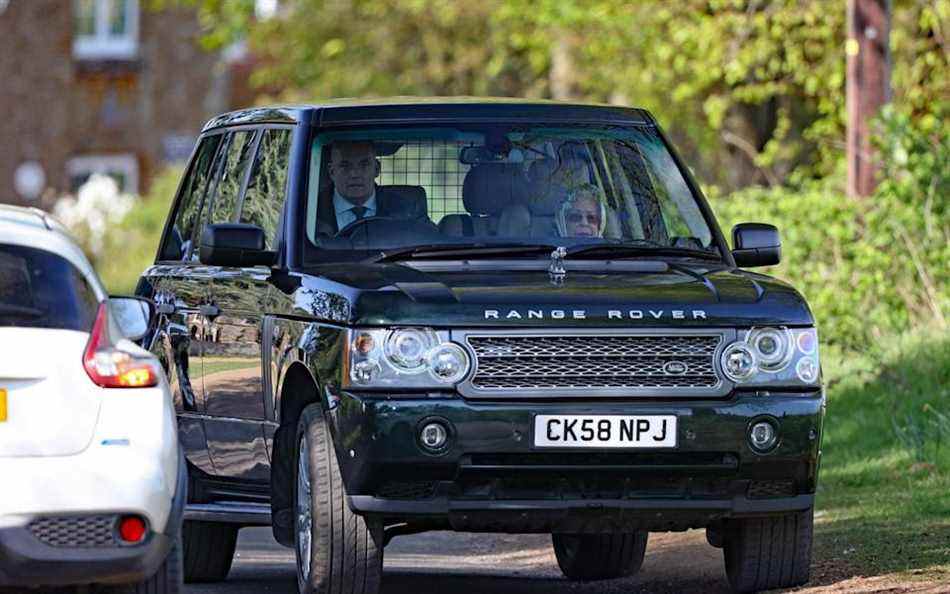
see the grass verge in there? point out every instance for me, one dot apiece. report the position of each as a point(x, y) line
point(884, 489)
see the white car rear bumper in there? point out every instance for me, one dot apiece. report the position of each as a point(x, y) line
point(132, 465)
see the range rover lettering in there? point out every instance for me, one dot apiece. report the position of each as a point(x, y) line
point(383, 318)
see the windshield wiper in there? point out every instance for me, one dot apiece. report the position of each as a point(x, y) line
point(450, 250)
point(7, 309)
point(637, 248)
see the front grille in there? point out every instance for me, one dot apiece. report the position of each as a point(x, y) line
point(542, 362)
point(75, 531)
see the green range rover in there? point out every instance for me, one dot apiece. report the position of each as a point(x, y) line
point(386, 317)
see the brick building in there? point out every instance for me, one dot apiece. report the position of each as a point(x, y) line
point(101, 86)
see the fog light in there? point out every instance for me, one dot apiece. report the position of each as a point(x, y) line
point(132, 529)
point(434, 436)
point(763, 436)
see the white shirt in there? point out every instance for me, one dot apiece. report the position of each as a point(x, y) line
point(344, 212)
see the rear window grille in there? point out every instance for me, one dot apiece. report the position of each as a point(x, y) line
point(433, 165)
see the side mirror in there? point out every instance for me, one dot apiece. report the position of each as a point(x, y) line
point(756, 244)
point(234, 244)
point(134, 315)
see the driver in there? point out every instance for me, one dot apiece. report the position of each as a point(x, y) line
point(353, 169)
point(582, 214)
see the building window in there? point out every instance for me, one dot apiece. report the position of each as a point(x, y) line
point(105, 29)
point(124, 169)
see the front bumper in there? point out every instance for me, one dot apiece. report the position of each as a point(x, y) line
point(492, 478)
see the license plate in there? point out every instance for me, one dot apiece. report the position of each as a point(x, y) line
point(605, 431)
point(3, 405)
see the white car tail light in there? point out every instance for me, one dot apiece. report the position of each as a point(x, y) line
point(112, 367)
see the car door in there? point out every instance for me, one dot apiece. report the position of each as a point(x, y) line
point(180, 286)
point(243, 295)
point(232, 372)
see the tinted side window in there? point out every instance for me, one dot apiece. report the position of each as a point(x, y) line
point(237, 158)
point(39, 289)
point(179, 239)
point(266, 187)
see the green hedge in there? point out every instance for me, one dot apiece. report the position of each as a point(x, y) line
point(869, 267)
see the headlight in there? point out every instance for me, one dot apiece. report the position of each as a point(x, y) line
point(738, 361)
point(773, 347)
point(773, 357)
point(404, 358)
point(406, 348)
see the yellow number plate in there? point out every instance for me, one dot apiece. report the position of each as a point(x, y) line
point(3, 405)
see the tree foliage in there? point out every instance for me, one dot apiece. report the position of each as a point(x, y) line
point(753, 90)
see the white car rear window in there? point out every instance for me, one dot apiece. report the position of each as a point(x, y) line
point(39, 289)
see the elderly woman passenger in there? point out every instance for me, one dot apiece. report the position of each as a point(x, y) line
point(582, 214)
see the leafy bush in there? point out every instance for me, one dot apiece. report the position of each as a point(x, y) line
point(91, 214)
point(130, 246)
point(869, 267)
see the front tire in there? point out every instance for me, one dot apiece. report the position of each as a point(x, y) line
point(208, 551)
point(767, 553)
point(588, 557)
point(337, 551)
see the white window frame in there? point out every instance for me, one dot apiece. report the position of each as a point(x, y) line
point(105, 45)
point(127, 164)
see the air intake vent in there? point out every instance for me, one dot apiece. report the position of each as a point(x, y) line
point(770, 489)
point(406, 490)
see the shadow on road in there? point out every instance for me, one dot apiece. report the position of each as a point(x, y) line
point(450, 563)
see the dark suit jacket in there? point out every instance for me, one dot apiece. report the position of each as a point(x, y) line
point(398, 202)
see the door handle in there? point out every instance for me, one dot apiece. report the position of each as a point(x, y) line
point(210, 310)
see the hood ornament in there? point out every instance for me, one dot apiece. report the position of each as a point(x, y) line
point(556, 270)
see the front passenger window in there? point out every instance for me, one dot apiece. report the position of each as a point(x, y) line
point(238, 154)
point(264, 198)
point(177, 244)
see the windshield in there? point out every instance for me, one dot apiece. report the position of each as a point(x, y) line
point(380, 190)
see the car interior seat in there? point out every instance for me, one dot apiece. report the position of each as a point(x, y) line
point(493, 195)
point(412, 199)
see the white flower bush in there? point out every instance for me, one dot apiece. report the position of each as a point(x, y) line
point(90, 215)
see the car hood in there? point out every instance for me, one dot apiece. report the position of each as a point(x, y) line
point(449, 295)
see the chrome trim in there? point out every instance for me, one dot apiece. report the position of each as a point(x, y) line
point(468, 390)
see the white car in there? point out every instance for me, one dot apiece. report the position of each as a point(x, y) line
point(92, 482)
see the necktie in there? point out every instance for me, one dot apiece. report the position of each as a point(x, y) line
point(359, 212)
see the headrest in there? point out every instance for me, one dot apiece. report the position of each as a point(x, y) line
point(490, 187)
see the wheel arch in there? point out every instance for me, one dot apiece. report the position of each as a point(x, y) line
point(299, 389)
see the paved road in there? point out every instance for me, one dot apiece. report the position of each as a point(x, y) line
point(443, 562)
